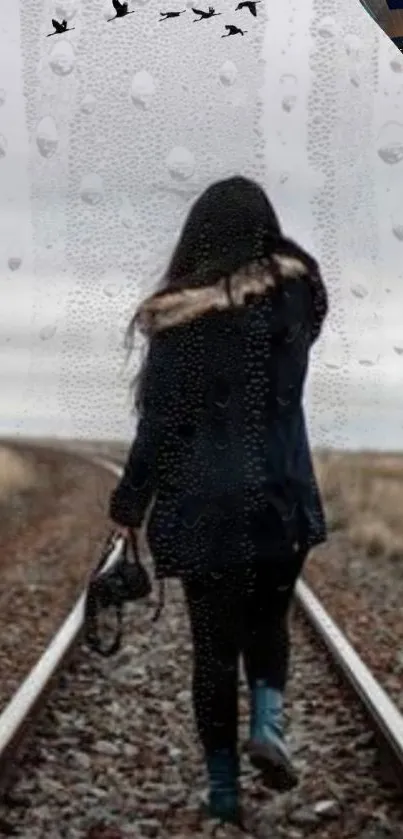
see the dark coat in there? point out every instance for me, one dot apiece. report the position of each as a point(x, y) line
point(221, 450)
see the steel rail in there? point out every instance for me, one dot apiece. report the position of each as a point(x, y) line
point(29, 697)
point(382, 711)
point(15, 719)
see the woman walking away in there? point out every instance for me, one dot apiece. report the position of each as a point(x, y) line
point(222, 458)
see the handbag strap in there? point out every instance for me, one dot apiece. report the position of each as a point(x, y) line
point(161, 592)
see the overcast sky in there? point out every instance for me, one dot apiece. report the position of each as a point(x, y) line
point(108, 131)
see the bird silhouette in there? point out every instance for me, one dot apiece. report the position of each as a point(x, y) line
point(166, 15)
point(59, 28)
point(121, 9)
point(205, 15)
point(233, 30)
point(248, 4)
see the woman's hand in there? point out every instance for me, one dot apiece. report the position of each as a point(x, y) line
point(126, 532)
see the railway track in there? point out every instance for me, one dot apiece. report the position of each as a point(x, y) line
point(17, 718)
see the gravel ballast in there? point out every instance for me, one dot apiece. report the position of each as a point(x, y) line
point(364, 595)
point(115, 754)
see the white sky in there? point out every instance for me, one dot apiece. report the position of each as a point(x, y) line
point(332, 97)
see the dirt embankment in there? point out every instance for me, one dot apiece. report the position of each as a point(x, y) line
point(53, 514)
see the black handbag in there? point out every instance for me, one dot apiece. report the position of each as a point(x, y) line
point(125, 580)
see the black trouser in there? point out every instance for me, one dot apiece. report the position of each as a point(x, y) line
point(244, 611)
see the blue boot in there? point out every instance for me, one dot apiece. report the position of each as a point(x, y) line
point(266, 747)
point(223, 772)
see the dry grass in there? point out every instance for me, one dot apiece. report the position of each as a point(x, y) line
point(363, 492)
point(16, 474)
point(363, 496)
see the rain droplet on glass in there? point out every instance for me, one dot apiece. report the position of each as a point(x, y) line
point(62, 58)
point(180, 163)
point(359, 291)
point(113, 289)
point(398, 350)
point(47, 332)
point(390, 139)
point(327, 27)
point(228, 73)
point(66, 9)
point(88, 104)
point(142, 89)
point(397, 230)
point(3, 96)
point(353, 45)
point(288, 103)
point(91, 189)
point(127, 214)
point(14, 263)
point(396, 65)
point(47, 138)
point(3, 146)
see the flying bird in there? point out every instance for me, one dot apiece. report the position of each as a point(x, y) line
point(205, 15)
point(59, 28)
point(248, 4)
point(233, 30)
point(121, 10)
point(166, 15)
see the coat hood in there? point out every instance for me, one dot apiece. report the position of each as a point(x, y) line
point(171, 308)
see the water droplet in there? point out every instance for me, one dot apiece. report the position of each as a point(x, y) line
point(359, 291)
point(47, 332)
point(143, 89)
point(228, 72)
point(353, 45)
point(88, 104)
point(62, 58)
point(91, 189)
point(112, 289)
point(14, 263)
point(65, 10)
point(398, 350)
point(327, 27)
point(396, 65)
point(355, 79)
point(47, 137)
point(181, 163)
point(397, 230)
point(3, 146)
point(284, 177)
point(391, 154)
point(3, 96)
point(390, 138)
point(289, 103)
point(126, 212)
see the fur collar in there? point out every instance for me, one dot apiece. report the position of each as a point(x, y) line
point(176, 307)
